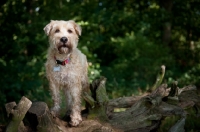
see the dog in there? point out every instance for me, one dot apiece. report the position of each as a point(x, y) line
point(66, 67)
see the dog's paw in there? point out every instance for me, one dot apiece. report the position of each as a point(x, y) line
point(75, 120)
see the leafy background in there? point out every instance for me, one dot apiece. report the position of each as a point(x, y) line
point(125, 40)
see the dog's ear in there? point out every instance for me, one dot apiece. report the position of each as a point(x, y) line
point(76, 27)
point(48, 28)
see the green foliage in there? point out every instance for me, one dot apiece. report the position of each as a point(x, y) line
point(135, 67)
point(125, 41)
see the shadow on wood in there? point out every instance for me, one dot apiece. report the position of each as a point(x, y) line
point(142, 113)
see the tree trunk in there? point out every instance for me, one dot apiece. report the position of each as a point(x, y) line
point(167, 5)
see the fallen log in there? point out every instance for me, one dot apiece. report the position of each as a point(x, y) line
point(141, 113)
point(46, 122)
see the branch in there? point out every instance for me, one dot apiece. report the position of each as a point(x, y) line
point(18, 114)
point(179, 126)
point(159, 78)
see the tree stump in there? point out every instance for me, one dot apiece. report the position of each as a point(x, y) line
point(141, 113)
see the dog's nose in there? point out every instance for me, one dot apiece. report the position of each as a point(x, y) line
point(63, 39)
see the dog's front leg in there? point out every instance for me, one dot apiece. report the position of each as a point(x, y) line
point(75, 114)
point(54, 88)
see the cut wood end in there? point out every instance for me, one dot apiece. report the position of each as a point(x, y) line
point(38, 108)
point(163, 67)
point(176, 83)
point(25, 99)
point(24, 103)
point(9, 107)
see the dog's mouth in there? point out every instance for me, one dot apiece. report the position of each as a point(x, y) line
point(64, 48)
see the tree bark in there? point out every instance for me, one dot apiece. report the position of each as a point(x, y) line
point(141, 113)
point(167, 5)
point(18, 114)
point(48, 123)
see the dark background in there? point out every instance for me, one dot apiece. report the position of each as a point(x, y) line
point(125, 40)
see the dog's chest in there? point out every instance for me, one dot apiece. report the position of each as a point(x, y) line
point(74, 71)
point(65, 74)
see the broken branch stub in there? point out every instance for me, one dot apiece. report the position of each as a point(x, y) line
point(18, 114)
point(98, 99)
point(159, 78)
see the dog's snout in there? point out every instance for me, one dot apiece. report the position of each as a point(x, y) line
point(63, 39)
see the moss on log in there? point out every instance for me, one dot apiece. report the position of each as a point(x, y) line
point(18, 113)
point(147, 112)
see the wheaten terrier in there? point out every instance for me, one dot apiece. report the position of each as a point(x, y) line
point(66, 67)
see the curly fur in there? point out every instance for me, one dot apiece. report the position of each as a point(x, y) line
point(72, 77)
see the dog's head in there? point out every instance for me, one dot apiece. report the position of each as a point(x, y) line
point(63, 35)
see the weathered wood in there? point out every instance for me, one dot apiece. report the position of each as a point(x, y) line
point(18, 114)
point(99, 100)
point(91, 126)
point(179, 126)
point(146, 113)
point(159, 78)
point(46, 121)
point(9, 107)
point(141, 113)
point(122, 102)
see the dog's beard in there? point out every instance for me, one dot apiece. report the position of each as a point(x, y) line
point(64, 49)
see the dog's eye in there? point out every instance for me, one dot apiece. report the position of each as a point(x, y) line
point(57, 30)
point(69, 31)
